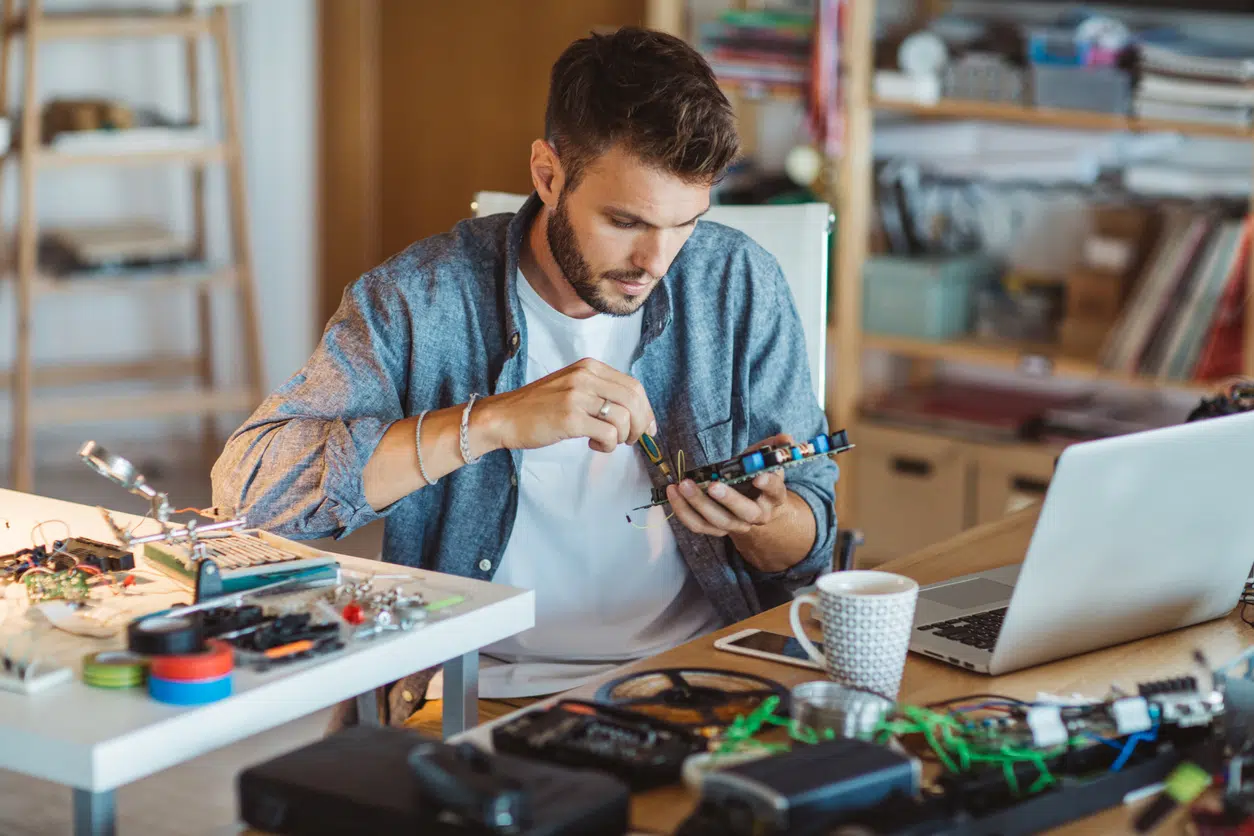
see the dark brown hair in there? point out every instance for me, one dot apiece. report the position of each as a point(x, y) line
point(650, 91)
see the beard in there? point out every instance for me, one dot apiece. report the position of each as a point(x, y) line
point(597, 292)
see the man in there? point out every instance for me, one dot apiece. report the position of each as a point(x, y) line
point(483, 391)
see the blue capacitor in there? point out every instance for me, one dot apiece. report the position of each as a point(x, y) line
point(820, 444)
point(753, 463)
point(796, 453)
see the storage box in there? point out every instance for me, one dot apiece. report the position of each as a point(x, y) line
point(985, 77)
point(925, 297)
point(1100, 89)
point(1094, 295)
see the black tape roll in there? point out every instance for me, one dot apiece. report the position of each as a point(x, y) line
point(165, 635)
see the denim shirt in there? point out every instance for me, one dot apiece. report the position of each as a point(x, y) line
point(721, 356)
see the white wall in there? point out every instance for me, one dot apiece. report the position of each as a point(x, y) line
point(275, 46)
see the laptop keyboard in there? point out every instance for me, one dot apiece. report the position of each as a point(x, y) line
point(978, 631)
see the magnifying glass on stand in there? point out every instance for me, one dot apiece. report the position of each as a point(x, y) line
point(124, 474)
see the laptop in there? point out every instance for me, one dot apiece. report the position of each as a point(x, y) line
point(1138, 534)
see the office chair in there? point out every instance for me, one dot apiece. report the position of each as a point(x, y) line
point(798, 235)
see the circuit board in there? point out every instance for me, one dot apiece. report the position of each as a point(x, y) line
point(70, 585)
point(746, 467)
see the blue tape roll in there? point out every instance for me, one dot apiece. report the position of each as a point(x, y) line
point(189, 692)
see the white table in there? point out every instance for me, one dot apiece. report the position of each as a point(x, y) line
point(95, 740)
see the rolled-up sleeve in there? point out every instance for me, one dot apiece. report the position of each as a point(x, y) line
point(295, 466)
point(781, 399)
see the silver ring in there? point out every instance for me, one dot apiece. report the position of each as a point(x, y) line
point(604, 411)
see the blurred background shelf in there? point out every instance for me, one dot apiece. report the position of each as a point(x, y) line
point(1038, 360)
point(122, 24)
point(1053, 118)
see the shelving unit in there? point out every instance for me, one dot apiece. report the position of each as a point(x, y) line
point(206, 398)
point(854, 199)
point(1050, 118)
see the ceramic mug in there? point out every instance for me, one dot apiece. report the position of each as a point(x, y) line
point(867, 617)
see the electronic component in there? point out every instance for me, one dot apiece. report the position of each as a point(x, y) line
point(94, 553)
point(70, 585)
point(246, 560)
point(362, 780)
point(785, 792)
point(741, 469)
point(643, 751)
point(694, 697)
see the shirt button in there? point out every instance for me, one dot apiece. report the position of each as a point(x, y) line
point(513, 479)
point(514, 339)
point(485, 565)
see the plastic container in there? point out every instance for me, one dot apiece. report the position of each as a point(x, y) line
point(1056, 46)
point(1099, 89)
point(928, 297)
point(984, 77)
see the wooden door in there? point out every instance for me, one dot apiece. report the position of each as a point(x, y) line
point(425, 102)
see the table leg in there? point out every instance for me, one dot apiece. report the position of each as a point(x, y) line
point(94, 813)
point(461, 693)
point(368, 708)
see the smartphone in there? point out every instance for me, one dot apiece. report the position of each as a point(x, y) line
point(774, 647)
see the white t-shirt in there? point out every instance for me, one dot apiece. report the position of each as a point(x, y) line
point(607, 592)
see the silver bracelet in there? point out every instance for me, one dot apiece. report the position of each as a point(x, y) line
point(465, 431)
point(418, 447)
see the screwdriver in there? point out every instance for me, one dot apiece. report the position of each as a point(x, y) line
point(654, 453)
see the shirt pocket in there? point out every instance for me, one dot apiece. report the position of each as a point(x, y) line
point(720, 441)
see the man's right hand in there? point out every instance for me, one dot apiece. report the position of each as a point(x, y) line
point(567, 404)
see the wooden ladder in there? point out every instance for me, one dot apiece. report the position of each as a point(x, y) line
point(207, 398)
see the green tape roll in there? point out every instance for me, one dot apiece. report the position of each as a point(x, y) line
point(114, 669)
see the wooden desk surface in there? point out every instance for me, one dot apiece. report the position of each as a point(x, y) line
point(925, 681)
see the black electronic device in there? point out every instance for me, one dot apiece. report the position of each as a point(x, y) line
point(643, 751)
point(100, 555)
point(456, 782)
point(786, 792)
point(62, 555)
point(393, 781)
point(979, 807)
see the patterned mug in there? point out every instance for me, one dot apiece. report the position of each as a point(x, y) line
point(867, 617)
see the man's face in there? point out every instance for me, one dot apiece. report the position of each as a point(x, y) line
point(615, 236)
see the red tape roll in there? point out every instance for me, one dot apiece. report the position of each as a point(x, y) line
point(214, 661)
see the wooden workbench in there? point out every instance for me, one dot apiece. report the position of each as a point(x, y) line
point(925, 681)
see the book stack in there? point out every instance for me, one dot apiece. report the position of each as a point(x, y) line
point(1183, 319)
point(762, 50)
point(1191, 80)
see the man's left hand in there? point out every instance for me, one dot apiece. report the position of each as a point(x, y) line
point(720, 510)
